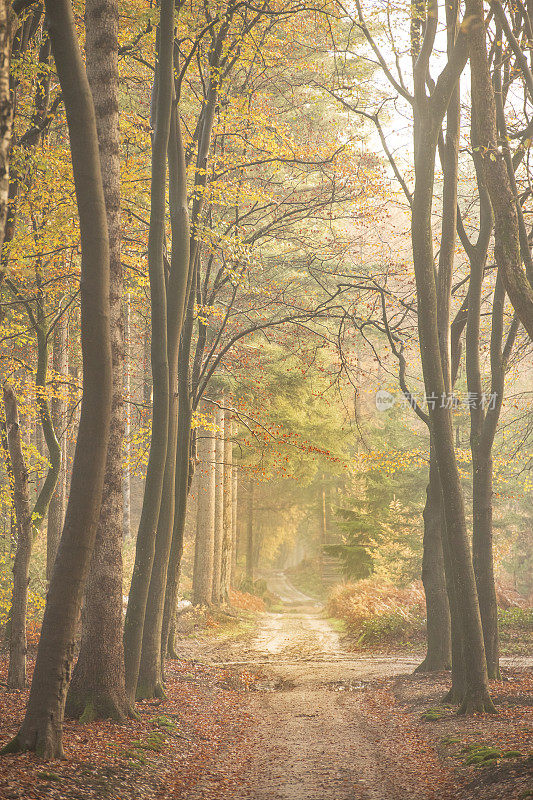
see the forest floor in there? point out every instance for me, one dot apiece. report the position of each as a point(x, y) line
point(276, 709)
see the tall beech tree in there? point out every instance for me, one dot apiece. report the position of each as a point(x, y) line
point(205, 519)
point(228, 544)
point(97, 688)
point(429, 111)
point(146, 535)
point(16, 676)
point(150, 682)
point(219, 506)
point(41, 729)
point(433, 302)
point(58, 410)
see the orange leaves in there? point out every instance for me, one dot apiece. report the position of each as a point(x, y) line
point(159, 755)
point(246, 601)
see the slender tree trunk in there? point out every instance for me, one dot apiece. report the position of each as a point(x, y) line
point(481, 474)
point(250, 545)
point(438, 656)
point(432, 315)
point(184, 469)
point(506, 227)
point(41, 729)
point(97, 689)
point(477, 696)
point(153, 488)
point(457, 690)
point(205, 520)
point(150, 681)
point(46, 428)
point(227, 529)
point(56, 509)
point(218, 587)
point(150, 677)
point(16, 677)
point(484, 560)
point(6, 109)
point(126, 486)
point(234, 535)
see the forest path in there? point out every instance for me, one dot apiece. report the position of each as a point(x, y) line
point(310, 740)
point(312, 735)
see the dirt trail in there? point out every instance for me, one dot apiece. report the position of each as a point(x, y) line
point(310, 739)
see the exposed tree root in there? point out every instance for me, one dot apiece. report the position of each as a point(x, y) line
point(89, 705)
point(432, 665)
point(476, 701)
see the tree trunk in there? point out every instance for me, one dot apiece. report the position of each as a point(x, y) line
point(481, 469)
point(506, 228)
point(250, 534)
point(6, 109)
point(433, 323)
point(41, 729)
point(227, 529)
point(155, 472)
point(218, 587)
point(183, 479)
point(97, 688)
point(185, 470)
point(234, 536)
point(205, 520)
point(484, 560)
point(150, 681)
point(16, 677)
point(150, 677)
point(126, 486)
point(56, 509)
point(458, 687)
point(477, 696)
point(438, 656)
point(46, 427)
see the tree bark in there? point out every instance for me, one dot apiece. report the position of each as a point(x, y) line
point(218, 587)
point(234, 534)
point(155, 472)
point(97, 689)
point(506, 227)
point(438, 655)
point(185, 469)
point(483, 429)
point(429, 113)
point(126, 487)
point(150, 681)
point(46, 428)
point(484, 560)
point(457, 689)
point(250, 545)
point(6, 109)
point(227, 529)
point(41, 729)
point(205, 520)
point(477, 692)
point(56, 509)
point(16, 677)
